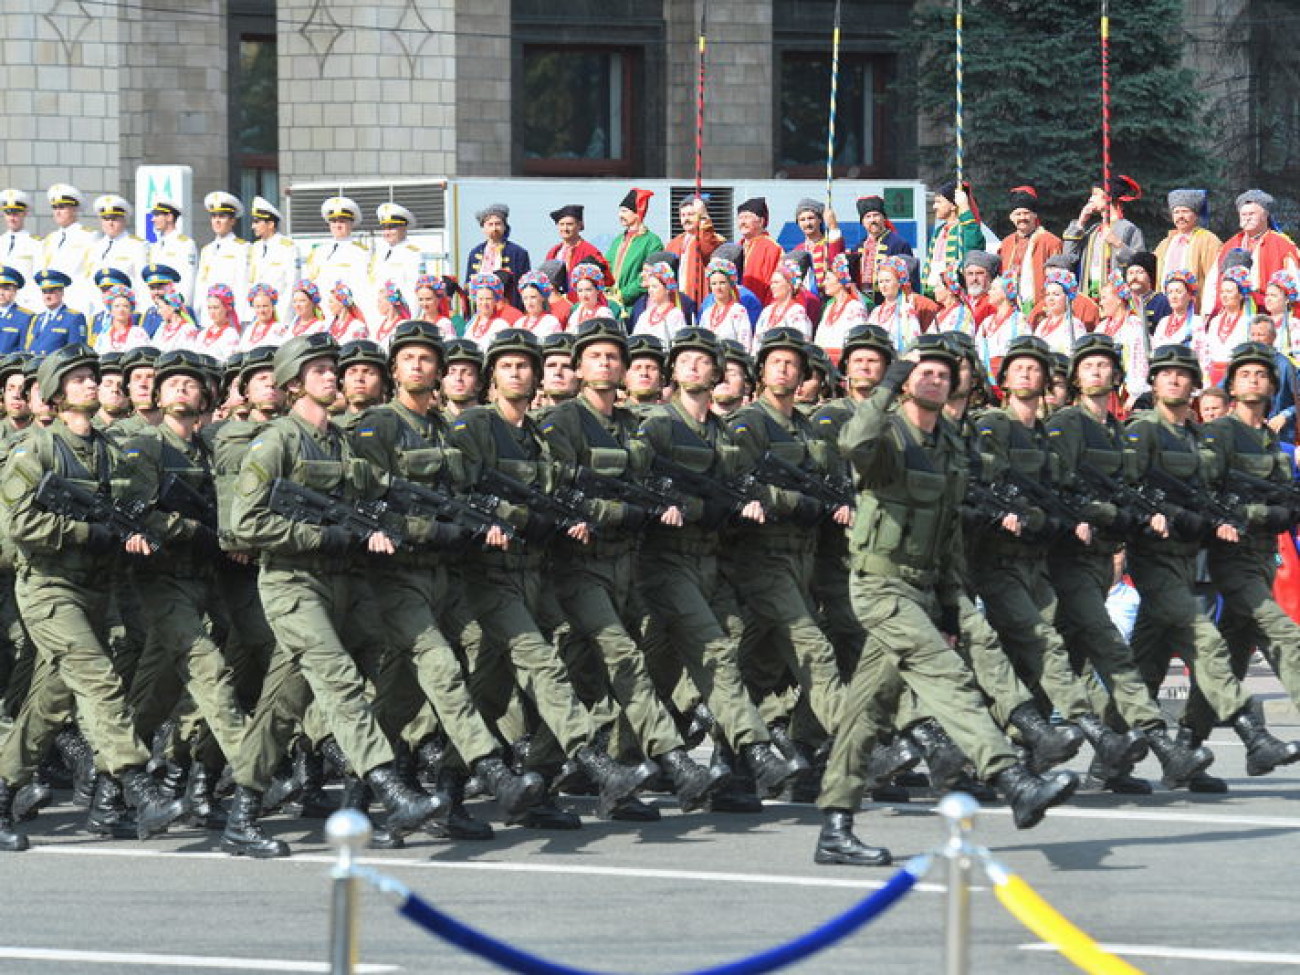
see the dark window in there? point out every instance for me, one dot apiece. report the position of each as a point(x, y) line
point(255, 121)
point(804, 107)
point(577, 110)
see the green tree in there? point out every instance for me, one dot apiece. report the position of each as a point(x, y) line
point(1033, 102)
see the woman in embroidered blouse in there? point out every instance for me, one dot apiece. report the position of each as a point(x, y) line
point(435, 305)
point(663, 316)
point(954, 314)
point(726, 316)
point(307, 314)
point(1058, 327)
point(265, 327)
point(395, 311)
point(535, 289)
point(1281, 296)
point(896, 313)
point(1182, 322)
point(123, 331)
point(587, 281)
point(784, 310)
point(346, 322)
point(491, 313)
point(1229, 328)
point(1129, 332)
point(178, 329)
point(843, 309)
point(1006, 323)
point(221, 338)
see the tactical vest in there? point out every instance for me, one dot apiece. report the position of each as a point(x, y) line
point(1101, 446)
point(423, 457)
point(905, 527)
point(228, 455)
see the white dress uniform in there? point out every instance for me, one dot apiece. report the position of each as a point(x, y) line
point(274, 261)
point(125, 252)
point(345, 260)
point(179, 252)
point(403, 262)
point(21, 250)
point(224, 261)
point(68, 249)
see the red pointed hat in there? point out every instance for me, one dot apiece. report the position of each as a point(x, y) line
point(637, 201)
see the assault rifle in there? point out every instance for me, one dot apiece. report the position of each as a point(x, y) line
point(361, 518)
point(1283, 500)
point(654, 494)
point(475, 513)
point(1134, 509)
point(58, 495)
point(183, 498)
point(832, 492)
point(555, 512)
point(1211, 511)
point(723, 499)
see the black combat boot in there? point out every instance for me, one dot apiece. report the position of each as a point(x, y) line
point(175, 775)
point(614, 780)
point(153, 811)
point(1264, 751)
point(243, 837)
point(1201, 782)
point(1179, 763)
point(108, 815)
point(158, 745)
point(309, 774)
point(284, 788)
point(36, 795)
point(736, 793)
point(1116, 754)
point(80, 758)
point(837, 844)
point(888, 760)
point(1102, 778)
point(793, 751)
point(10, 841)
point(408, 810)
point(1049, 745)
point(1030, 796)
point(633, 810)
point(205, 811)
point(948, 764)
point(770, 769)
point(515, 794)
point(429, 755)
point(699, 726)
point(460, 824)
point(357, 795)
point(692, 782)
point(547, 815)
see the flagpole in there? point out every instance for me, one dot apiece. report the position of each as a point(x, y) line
point(699, 106)
point(835, 86)
point(961, 102)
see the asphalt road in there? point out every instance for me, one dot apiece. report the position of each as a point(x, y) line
point(1185, 884)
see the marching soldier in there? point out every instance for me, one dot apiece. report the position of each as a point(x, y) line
point(65, 567)
point(645, 373)
point(301, 582)
point(462, 386)
point(273, 258)
point(504, 583)
point(225, 259)
point(560, 382)
point(173, 249)
point(593, 582)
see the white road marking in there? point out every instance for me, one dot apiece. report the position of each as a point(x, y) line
point(179, 961)
point(1189, 954)
point(1153, 816)
point(395, 863)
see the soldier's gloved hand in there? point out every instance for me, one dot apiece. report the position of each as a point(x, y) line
point(102, 541)
point(898, 372)
point(335, 540)
point(446, 535)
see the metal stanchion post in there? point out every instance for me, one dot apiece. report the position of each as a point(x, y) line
point(959, 810)
point(348, 832)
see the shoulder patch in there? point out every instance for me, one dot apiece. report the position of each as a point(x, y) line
point(367, 432)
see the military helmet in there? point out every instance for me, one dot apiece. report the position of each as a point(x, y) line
point(513, 341)
point(601, 329)
point(464, 350)
point(1095, 343)
point(647, 347)
point(416, 332)
point(868, 337)
point(557, 343)
point(362, 352)
point(933, 346)
point(231, 368)
point(255, 360)
point(787, 338)
point(820, 362)
point(1247, 353)
point(12, 364)
point(1174, 357)
point(30, 367)
point(182, 362)
point(701, 340)
point(1027, 346)
point(108, 362)
point(141, 355)
point(733, 351)
point(55, 367)
point(300, 350)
